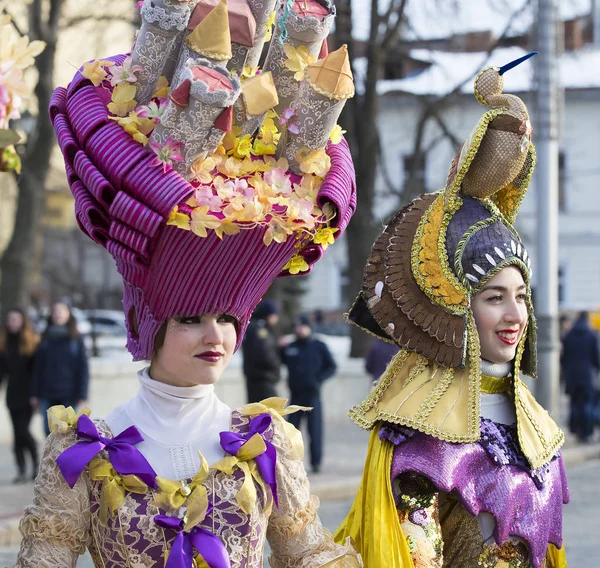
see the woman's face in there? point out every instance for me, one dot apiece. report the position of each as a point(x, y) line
point(60, 313)
point(14, 322)
point(500, 312)
point(196, 350)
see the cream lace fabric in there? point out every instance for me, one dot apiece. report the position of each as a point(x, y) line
point(56, 527)
point(63, 522)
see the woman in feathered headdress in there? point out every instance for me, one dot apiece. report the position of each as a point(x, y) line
point(464, 468)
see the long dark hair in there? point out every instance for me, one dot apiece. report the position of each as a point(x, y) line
point(71, 322)
point(28, 339)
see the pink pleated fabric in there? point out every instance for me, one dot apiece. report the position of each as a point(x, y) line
point(122, 203)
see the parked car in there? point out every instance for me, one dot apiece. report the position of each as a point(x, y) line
point(106, 322)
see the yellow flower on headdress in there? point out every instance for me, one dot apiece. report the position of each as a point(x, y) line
point(162, 88)
point(336, 134)
point(262, 148)
point(202, 220)
point(298, 59)
point(270, 23)
point(316, 162)
point(114, 486)
point(308, 188)
point(324, 236)
point(136, 126)
point(61, 418)
point(174, 494)
point(231, 167)
point(248, 72)
point(202, 168)
point(122, 99)
point(276, 231)
point(242, 146)
point(95, 72)
point(179, 220)
point(296, 264)
point(227, 227)
point(230, 138)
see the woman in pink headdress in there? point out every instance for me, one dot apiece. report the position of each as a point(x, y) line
point(200, 219)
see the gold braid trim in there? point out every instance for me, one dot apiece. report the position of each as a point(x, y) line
point(429, 260)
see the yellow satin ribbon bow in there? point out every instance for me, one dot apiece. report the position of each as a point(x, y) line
point(277, 408)
point(114, 486)
point(174, 494)
point(247, 495)
point(62, 419)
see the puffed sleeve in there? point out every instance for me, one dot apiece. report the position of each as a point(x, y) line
point(295, 533)
point(56, 527)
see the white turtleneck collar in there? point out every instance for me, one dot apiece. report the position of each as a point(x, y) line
point(176, 422)
point(498, 370)
point(497, 407)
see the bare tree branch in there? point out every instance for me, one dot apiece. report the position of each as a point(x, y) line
point(444, 128)
point(106, 18)
point(392, 31)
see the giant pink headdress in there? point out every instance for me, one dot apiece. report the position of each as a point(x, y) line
point(184, 192)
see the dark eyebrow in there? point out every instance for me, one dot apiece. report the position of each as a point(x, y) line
point(502, 288)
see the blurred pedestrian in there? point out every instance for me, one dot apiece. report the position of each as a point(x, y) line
point(378, 358)
point(309, 363)
point(580, 361)
point(60, 375)
point(18, 345)
point(262, 361)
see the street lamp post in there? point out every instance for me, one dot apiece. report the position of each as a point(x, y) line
point(546, 297)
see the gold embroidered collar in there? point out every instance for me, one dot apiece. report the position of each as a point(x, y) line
point(495, 385)
point(445, 403)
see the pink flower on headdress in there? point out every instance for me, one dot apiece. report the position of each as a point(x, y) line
point(152, 110)
point(124, 72)
point(278, 179)
point(167, 154)
point(4, 102)
point(205, 197)
point(286, 120)
point(139, 4)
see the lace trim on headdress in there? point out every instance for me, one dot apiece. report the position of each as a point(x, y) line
point(166, 20)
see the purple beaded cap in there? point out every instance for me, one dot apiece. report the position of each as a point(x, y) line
point(122, 203)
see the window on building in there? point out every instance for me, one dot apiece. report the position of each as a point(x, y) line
point(562, 182)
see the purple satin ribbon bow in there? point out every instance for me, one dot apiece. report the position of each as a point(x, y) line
point(206, 543)
point(231, 442)
point(124, 458)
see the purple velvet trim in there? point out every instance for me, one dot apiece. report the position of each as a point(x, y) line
point(86, 113)
point(97, 184)
point(129, 237)
point(520, 507)
point(115, 152)
point(335, 186)
point(58, 103)
point(135, 214)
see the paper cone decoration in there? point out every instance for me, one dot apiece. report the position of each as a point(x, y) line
point(211, 38)
point(332, 76)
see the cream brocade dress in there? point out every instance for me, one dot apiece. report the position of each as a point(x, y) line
point(63, 522)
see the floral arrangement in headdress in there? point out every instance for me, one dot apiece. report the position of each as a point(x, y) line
point(251, 162)
point(16, 55)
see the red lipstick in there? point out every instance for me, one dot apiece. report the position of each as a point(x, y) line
point(210, 356)
point(510, 337)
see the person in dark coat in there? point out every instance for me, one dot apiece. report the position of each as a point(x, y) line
point(580, 361)
point(60, 375)
point(310, 364)
point(18, 344)
point(380, 354)
point(260, 350)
